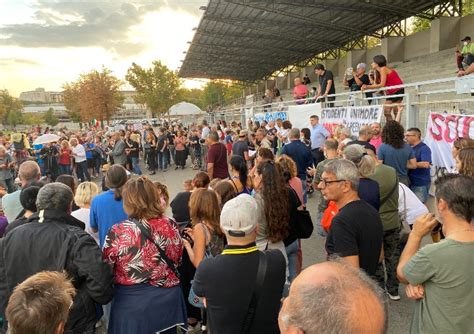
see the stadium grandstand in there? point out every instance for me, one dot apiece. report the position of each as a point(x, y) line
point(267, 44)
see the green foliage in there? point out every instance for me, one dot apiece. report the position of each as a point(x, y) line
point(157, 87)
point(420, 24)
point(217, 92)
point(32, 118)
point(10, 109)
point(50, 118)
point(193, 96)
point(96, 95)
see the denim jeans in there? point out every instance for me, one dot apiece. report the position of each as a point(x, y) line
point(136, 166)
point(292, 253)
point(65, 169)
point(421, 192)
point(9, 184)
point(162, 160)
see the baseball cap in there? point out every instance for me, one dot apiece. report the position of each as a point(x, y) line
point(361, 65)
point(467, 38)
point(243, 133)
point(239, 216)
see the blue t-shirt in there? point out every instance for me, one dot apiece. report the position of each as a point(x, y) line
point(396, 157)
point(106, 212)
point(421, 176)
point(89, 153)
point(38, 147)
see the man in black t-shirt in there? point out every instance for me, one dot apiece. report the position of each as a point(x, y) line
point(227, 282)
point(365, 134)
point(356, 232)
point(326, 85)
point(358, 79)
point(241, 147)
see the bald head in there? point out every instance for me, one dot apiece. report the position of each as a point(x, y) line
point(345, 299)
point(28, 172)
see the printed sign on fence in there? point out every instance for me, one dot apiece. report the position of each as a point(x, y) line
point(299, 115)
point(270, 116)
point(350, 117)
point(442, 131)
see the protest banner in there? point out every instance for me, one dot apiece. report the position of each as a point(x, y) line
point(442, 130)
point(350, 117)
point(299, 115)
point(270, 116)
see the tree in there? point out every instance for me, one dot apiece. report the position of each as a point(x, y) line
point(71, 101)
point(32, 118)
point(421, 24)
point(10, 109)
point(96, 95)
point(216, 92)
point(50, 118)
point(193, 96)
point(157, 87)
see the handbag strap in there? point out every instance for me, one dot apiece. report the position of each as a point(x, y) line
point(261, 271)
point(405, 211)
point(382, 202)
point(164, 257)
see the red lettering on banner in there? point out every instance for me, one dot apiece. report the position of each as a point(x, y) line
point(434, 119)
point(450, 127)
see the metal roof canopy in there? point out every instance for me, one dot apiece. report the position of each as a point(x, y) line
point(247, 40)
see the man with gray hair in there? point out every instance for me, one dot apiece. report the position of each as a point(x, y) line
point(28, 172)
point(333, 297)
point(300, 154)
point(356, 231)
point(365, 135)
point(54, 240)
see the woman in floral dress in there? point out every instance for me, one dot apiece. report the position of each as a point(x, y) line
point(145, 252)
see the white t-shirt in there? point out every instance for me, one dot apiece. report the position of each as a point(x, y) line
point(80, 152)
point(415, 207)
point(84, 216)
point(205, 132)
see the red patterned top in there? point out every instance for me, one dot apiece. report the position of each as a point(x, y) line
point(138, 261)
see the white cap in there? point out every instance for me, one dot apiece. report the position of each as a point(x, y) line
point(239, 216)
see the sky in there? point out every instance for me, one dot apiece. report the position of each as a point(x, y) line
point(46, 43)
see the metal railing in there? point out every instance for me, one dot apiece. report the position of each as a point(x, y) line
point(419, 99)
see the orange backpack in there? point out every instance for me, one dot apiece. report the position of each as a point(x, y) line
point(328, 214)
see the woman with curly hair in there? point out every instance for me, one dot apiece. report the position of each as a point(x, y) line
point(465, 161)
point(394, 152)
point(272, 199)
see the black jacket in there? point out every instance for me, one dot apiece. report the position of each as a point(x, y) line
point(52, 240)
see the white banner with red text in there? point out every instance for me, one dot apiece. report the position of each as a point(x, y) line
point(350, 117)
point(441, 132)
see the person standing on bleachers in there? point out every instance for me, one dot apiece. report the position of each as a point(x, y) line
point(465, 57)
point(359, 78)
point(388, 78)
point(325, 86)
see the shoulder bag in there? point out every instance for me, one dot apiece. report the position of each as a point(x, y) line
point(303, 224)
point(193, 299)
point(164, 257)
point(382, 202)
point(257, 290)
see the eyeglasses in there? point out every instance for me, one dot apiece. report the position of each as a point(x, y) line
point(324, 182)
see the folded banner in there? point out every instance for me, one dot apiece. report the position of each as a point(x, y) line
point(350, 117)
point(442, 130)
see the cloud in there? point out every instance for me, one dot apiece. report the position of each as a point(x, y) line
point(80, 24)
point(17, 61)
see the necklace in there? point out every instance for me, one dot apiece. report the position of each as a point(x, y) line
point(455, 232)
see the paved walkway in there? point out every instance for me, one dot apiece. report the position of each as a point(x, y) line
point(400, 312)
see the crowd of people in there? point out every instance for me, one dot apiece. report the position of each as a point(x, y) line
point(86, 241)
